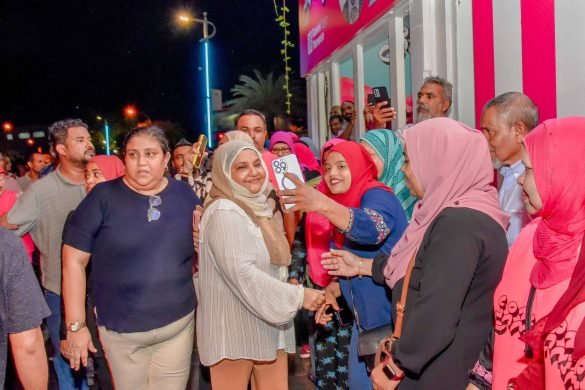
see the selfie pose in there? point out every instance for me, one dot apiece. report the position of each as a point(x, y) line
point(367, 218)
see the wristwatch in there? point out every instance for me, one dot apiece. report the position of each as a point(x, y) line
point(76, 326)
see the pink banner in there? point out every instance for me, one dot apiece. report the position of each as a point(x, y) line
point(327, 25)
point(483, 55)
point(539, 70)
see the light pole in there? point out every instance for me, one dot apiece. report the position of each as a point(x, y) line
point(106, 133)
point(183, 18)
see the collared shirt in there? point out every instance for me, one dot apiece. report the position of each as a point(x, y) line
point(511, 200)
point(42, 210)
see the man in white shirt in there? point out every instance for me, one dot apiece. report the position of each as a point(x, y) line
point(505, 121)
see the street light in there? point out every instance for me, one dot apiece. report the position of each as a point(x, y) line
point(7, 127)
point(185, 19)
point(106, 133)
point(132, 112)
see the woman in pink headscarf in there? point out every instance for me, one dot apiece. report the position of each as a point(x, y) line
point(457, 241)
point(539, 268)
point(102, 168)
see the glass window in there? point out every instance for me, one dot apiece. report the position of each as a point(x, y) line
point(376, 73)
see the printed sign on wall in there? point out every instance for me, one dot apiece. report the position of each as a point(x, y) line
point(326, 25)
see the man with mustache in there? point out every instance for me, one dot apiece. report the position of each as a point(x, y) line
point(42, 210)
point(505, 121)
point(434, 99)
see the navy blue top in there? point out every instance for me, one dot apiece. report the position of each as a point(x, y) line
point(141, 270)
point(376, 226)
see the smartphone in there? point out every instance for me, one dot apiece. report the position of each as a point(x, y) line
point(371, 99)
point(380, 95)
point(285, 164)
point(198, 158)
point(344, 315)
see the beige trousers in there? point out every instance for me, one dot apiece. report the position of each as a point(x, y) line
point(236, 374)
point(156, 359)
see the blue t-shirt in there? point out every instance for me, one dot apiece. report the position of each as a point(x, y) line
point(141, 270)
point(376, 227)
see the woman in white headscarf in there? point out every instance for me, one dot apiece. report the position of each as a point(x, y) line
point(244, 318)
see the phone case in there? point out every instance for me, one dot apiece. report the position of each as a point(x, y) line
point(285, 164)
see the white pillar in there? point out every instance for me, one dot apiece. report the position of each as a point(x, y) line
point(397, 74)
point(358, 85)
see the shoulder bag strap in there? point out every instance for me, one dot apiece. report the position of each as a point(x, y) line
point(401, 305)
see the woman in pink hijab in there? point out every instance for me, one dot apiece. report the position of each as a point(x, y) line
point(457, 241)
point(102, 168)
point(549, 349)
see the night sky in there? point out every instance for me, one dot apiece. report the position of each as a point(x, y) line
point(65, 58)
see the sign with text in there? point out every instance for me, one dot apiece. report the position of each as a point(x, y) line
point(326, 25)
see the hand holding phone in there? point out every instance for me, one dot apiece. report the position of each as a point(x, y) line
point(283, 165)
point(199, 150)
point(381, 95)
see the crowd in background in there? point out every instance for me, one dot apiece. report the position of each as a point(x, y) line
point(420, 268)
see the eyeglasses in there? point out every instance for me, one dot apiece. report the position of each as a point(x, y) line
point(153, 214)
point(280, 150)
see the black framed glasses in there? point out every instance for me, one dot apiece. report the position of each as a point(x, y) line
point(153, 214)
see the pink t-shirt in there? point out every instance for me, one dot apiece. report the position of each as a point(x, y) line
point(510, 300)
point(7, 200)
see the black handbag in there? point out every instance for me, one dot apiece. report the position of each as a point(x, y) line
point(369, 342)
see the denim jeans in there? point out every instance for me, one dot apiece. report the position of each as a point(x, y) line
point(358, 372)
point(67, 378)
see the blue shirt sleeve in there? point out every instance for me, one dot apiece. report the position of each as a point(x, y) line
point(373, 221)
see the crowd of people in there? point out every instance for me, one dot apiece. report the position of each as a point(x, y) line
point(420, 268)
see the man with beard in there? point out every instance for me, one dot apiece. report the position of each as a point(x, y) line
point(348, 114)
point(35, 164)
point(42, 210)
point(505, 121)
point(434, 100)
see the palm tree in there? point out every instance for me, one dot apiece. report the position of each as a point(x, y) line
point(265, 94)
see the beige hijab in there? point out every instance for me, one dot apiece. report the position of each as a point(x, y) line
point(258, 206)
point(239, 135)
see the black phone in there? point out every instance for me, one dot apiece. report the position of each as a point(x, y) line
point(380, 95)
point(344, 314)
point(371, 99)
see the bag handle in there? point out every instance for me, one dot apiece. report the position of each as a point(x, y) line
point(401, 305)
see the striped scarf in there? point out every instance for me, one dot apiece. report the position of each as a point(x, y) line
point(388, 147)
